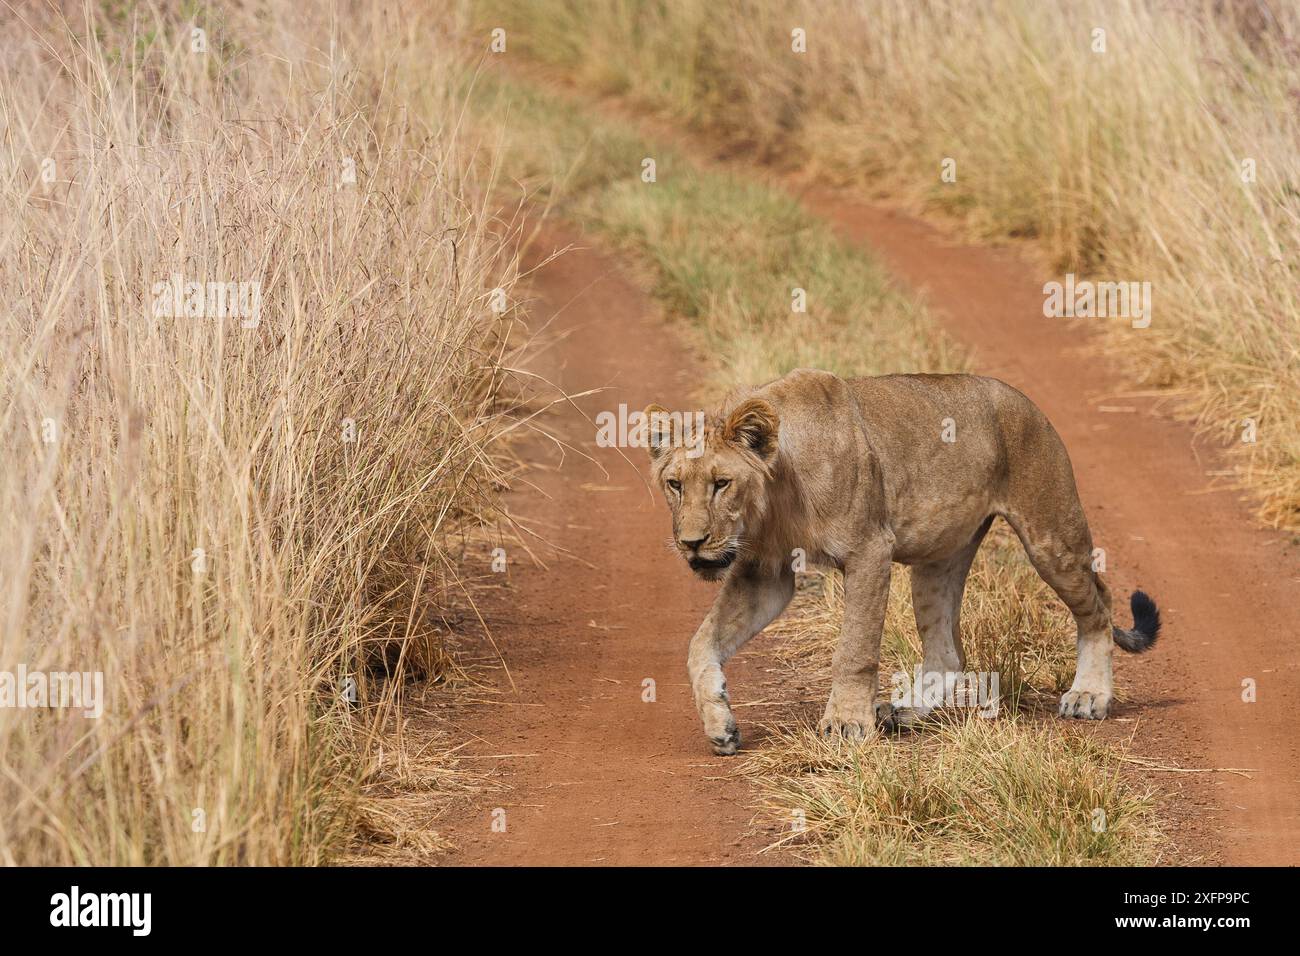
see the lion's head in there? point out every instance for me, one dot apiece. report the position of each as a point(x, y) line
point(716, 487)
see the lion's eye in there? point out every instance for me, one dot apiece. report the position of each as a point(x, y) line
point(674, 484)
point(720, 483)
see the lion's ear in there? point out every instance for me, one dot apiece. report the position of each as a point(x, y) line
point(658, 430)
point(754, 424)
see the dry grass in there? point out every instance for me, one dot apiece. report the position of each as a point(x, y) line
point(959, 790)
point(1125, 164)
point(411, 780)
point(182, 504)
point(968, 792)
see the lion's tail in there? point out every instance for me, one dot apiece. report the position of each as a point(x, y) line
point(1146, 625)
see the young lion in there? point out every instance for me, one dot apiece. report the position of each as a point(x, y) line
point(859, 473)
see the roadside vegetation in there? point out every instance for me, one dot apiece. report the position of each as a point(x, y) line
point(726, 254)
point(723, 254)
point(970, 792)
point(244, 520)
point(1132, 140)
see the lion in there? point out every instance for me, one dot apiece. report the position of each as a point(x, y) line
point(858, 474)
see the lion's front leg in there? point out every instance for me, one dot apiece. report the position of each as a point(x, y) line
point(747, 603)
point(851, 710)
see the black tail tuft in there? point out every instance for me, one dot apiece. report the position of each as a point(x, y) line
point(1146, 625)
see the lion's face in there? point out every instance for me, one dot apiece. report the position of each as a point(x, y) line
point(713, 492)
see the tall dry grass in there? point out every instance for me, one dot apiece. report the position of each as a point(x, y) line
point(1132, 164)
point(237, 520)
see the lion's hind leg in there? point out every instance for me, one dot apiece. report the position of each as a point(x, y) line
point(1060, 548)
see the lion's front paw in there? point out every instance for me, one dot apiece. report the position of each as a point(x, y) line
point(848, 729)
point(850, 725)
point(851, 715)
point(720, 725)
point(728, 742)
point(1084, 705)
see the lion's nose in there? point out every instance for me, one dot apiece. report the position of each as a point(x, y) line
point(692, 543)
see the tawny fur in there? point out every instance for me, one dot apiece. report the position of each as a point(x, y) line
point(859, 473)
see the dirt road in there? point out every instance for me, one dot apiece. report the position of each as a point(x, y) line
point(598, 774)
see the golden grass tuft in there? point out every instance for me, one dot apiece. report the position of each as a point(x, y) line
point(967, 792)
